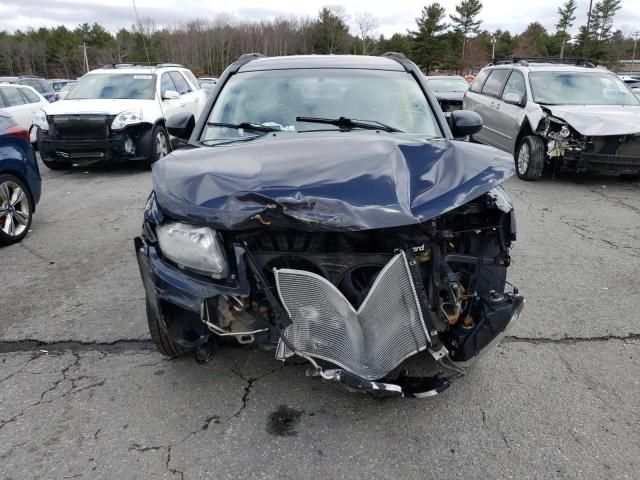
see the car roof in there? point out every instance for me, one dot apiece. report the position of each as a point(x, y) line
point(322, 61)
point(550, 67)
point(136, 69)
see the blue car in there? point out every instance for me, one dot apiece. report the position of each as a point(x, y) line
point(327, 209)
point(20, 183)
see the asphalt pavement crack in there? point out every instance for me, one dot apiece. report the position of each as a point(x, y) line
point(21, 367)
point(139, 448)
point(63, 346)
point(251, 381)
point(173, 471)
point(615, 200)
point(570, 340)
point(588, 235)
point(205, 426)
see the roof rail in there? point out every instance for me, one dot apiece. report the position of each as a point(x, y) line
point(163, 65)
point(244, 59)
point(125, 65)
point(400, 58)
point(525, 61)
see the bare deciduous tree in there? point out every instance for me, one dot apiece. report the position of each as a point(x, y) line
point(367, 26)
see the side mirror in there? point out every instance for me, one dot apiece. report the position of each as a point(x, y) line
point(513, 98)
point(170, 95)
point(464, 123)
point(181, 125)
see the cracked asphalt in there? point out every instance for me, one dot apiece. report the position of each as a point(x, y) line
point(83, 393)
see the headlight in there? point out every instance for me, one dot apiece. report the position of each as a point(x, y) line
point(565, 131)
point(128, 117)
point(40, 120)
point(193, 247)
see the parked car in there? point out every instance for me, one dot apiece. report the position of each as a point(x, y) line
point(66, 89)
point(354, 244)
point(58, 83)
point(117, 113)
point(574, 117)
point(19, 180)
point(22, 103)
point(208, 84)
point(449, 91)
point(39, 84)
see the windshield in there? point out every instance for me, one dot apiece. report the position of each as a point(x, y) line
point(114, 85)
point(448, 84)
point(579, 88)
point(275, 98)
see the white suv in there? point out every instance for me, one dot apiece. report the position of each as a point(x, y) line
point(117, 113)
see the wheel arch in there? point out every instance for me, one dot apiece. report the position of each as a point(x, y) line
point(525, 130)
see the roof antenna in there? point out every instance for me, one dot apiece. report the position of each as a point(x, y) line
point(144, 43)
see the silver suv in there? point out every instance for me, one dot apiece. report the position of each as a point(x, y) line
point(572, 117)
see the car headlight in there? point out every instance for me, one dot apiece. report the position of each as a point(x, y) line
point(565, 132)
point(196, 248)
point(40, 120)
point(128, 117)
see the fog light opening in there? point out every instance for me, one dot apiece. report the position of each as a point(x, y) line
point(129, 146)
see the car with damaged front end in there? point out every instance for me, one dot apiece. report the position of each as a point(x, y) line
point(324, 208)
point(565, 115)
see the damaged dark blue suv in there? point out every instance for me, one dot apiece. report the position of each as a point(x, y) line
point(327, 209)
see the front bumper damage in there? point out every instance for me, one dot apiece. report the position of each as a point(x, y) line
point(607, 154)
point(87, 139)
point(301, 313)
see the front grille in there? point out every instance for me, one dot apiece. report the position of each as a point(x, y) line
point(81, 127)
point(369, 342)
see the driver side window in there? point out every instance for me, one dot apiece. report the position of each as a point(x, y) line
point(515, 86)
point(166, 84)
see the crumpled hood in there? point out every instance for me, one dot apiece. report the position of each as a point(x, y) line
point(596, 120)
point(343, 181)
point(101, 106)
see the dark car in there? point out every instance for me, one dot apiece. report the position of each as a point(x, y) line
point(19, 181)
point(449, 91)
point(39, 84)
point(324, 209)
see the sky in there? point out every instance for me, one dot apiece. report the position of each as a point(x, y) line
point(393, 16)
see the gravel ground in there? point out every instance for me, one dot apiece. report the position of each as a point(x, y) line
point(84, 395)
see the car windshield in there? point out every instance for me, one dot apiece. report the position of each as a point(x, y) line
point(579, 88)
point(448, 84)
point(276, 98)
point(138, 86)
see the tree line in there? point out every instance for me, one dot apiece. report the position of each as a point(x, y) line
point(439, 42)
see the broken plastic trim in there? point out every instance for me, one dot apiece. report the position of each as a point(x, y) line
point(409, 387)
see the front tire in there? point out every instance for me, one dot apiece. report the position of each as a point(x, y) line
point(530, 158)
point(159, 336)
point(160, 147)
point(16, 209)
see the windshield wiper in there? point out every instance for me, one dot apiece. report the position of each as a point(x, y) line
point(345, 123)
point(256, 127)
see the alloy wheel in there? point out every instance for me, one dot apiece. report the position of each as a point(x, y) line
point(162, 145)
point(523, 158)
point(14, 209)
